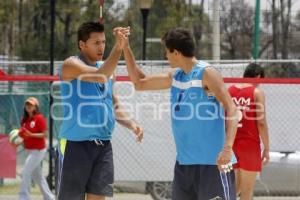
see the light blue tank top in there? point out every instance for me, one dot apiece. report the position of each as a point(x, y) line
point(197, 119)
point(87, 110)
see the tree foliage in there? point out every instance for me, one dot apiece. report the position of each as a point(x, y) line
point(26, 27)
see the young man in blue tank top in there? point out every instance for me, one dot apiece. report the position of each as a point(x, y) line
point(203, 136)
point(90, 109)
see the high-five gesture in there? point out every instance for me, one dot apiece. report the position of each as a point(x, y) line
point(121, 35)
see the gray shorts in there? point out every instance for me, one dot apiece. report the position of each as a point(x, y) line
point(85, 167)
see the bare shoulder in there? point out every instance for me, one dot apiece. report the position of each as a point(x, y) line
point(70, 61)
point(211, 75)
point(171, 72)
point(71, 68)
point(259, 94)
point(67, 63)
point(66, 68)
point(211, 71)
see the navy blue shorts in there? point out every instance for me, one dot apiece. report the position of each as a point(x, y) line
point(202, 182)
point(85, 167)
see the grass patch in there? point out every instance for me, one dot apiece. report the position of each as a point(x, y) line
point(15, 188)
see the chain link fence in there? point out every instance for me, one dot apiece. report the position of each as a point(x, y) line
point(148, 167)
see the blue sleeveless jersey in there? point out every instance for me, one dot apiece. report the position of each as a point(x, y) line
point(87, 110)
point(197, 119)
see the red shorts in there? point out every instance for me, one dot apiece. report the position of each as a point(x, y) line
point(248, 155)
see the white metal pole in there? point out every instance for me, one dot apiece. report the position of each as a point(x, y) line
point(216, 30)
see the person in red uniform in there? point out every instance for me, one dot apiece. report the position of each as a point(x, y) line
point(252, 129)
point(33, 130)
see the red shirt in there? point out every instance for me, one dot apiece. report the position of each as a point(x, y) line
point(244, 100)
point(36, 124)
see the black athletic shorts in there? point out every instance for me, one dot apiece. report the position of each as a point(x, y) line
point(84, 167)
point(202, 182)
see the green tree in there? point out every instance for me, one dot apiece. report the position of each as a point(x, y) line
point(26, 25)
point(163, 16)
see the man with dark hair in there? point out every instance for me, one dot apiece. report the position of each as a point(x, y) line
point(89, 112)
point(252, 126)
point(85, 29)
point(180, 40)
point(198, 100)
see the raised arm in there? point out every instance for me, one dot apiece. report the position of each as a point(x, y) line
point(262, 125)
point(142, 81)
point(73, 68)
point(214, 81)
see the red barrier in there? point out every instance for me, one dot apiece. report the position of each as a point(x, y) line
point(8, 156)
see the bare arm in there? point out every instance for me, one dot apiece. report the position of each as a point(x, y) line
point(75, 69)
point(124, 119)
point(140, 80)
point(38, 135)
point(134, 71)
point(262, 125)
point(214, 81)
